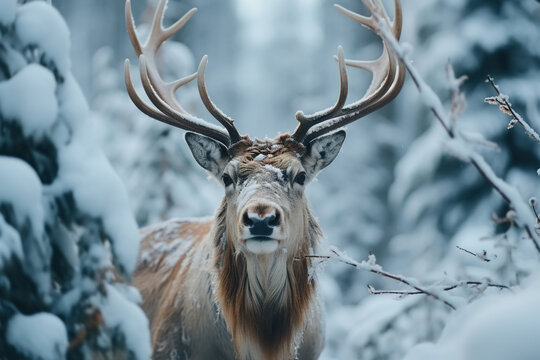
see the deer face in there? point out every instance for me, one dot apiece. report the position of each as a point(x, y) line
point(264, 183)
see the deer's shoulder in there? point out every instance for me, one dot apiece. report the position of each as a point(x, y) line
point(165, 243)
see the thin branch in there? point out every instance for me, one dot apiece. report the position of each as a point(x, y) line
point(532, 203)
point(374, 291)
point(372, 266)
point(481, 256)
point(506, 107)
point(451, 287)
point(376, 269)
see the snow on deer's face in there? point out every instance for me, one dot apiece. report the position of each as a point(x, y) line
point(264, 180)
point(264, 191)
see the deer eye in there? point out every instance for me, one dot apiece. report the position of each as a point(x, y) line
point(227, 180)
point(300, 178)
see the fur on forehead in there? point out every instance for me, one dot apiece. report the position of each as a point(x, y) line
point(277, 152)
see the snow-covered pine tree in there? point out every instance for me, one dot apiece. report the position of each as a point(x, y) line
point(67, 235)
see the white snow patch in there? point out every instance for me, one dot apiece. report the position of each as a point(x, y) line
point(99, 192)
point(167, 251)
point(496, 327)
point(259, 157)
point(29, 97)
point(21, 187)
point(277, 171)
point(39, 336)
point(39, 24)
point(10, 242)
point(74, 108)
point(129, 318)
point(7, 15)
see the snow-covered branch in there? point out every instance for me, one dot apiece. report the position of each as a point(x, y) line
point(502, 100)
point(435, 291)
point(460, 146)
point(372, 266)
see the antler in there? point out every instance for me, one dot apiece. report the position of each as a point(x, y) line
point(388, 77)
point(161, 93)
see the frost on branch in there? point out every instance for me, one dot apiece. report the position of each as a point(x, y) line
point(65, 222)
point(502, 100)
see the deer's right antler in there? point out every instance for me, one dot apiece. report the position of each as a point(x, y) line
point(161, 93)
point(388, 77)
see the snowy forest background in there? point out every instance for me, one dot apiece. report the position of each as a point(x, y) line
point(398, 188)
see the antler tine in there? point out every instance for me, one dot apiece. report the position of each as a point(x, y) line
point(141, 105)
point(161, 93)
point(156, 37)
point(387, 71)
point(307, 121)
point(393, 88)
point(169, 116)
point(130, 24)
point(225, 120)
point(343, 90)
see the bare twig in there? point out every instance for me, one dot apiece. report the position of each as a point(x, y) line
point(376, 269)
point(374, 291)
point(372, 266)
point(481, 256)
point(458, 98)
point(504, 105)
point(532, 203)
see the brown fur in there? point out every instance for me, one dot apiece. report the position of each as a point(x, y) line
point(270, 324)
point(197, 284)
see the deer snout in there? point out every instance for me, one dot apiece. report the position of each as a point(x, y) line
point(261, 220)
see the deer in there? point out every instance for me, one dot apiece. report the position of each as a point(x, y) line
point(238, 286)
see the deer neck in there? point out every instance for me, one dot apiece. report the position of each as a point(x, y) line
point(264, 298)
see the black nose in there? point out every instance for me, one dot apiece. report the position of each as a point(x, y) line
point(261, 226)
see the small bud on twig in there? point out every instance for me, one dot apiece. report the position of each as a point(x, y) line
point(511, 123)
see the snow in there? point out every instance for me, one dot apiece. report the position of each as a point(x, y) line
point(354, 326)
point(496, 327)
point(275, 170)
point(121, 313)
point(10, 243)
point(22, 188)
point(99, 192)
point(30, 97)
point(41, 25)
point(7, 15)
point(168, 252)
point(74, 110)
point(38, 336)
point(259, 157)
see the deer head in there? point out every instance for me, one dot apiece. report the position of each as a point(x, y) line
point(264, 180)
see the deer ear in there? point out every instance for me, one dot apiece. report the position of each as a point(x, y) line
point(321, 152)
point(209, 153)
